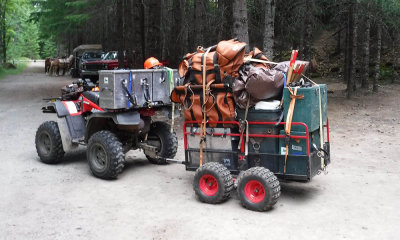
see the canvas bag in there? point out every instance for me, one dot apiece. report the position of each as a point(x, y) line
point(230, 54)
point(219, 105)
point(191, 67)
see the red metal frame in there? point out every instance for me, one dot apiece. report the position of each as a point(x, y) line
point(185, 133)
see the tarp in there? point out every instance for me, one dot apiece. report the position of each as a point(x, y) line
point(86, 47)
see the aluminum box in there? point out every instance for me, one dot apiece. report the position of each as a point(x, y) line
point(146, 86)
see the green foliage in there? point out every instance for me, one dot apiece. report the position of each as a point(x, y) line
point(48, 48)
point(23, 34)
point(11, 71)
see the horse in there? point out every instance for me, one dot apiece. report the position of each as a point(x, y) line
point(63, 63)
point(47, 64)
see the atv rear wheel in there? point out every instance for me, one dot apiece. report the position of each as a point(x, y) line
point(48, 143)
point(212, 183)
point(105, 155)
point(258, 189)
point(165, 141)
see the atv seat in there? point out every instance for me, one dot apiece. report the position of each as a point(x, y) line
point(92, 96)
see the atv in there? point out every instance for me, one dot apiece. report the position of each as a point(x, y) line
point(110, 119)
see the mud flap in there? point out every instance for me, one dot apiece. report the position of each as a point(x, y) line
point(72, 130)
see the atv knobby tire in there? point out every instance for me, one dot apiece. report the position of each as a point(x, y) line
point(212, 183)
point(48, 143)
point(258, 189)
point(105, 155)
point(167, 143)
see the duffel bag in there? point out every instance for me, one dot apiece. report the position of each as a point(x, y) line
point(192, 67)
point(258, 54)
point(219, 105)
point(230, 54)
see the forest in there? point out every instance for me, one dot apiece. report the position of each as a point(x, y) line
point(356, 40)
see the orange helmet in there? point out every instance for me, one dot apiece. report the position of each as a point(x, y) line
point(151, 62)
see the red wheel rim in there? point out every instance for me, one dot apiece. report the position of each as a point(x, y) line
point(254, 191)
point(208, 185)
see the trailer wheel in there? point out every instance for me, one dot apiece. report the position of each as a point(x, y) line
point(48, 143)
point(212, 183)
point(258, 189)
point(165, 141)
point(105, 155)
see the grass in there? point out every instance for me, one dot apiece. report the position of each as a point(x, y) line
point(20, 68)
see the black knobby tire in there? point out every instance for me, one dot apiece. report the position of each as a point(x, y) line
point(105, 155)
point(48, 143)
point(212, 183)
point(258, 189)
point(167, 143)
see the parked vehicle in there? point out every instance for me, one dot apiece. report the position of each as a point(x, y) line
point(108, 62)
point(111, 120)
point(78, 52)
point(90, 56)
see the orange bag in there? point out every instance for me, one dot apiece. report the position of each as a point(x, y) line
point(192, 65)
point(219, 105)
point(258, 54)
point(230, 56)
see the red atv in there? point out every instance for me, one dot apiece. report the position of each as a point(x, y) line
point(86, 115)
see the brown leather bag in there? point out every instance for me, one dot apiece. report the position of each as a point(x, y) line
point(219, 105)
point(258, 54)
point(230, 55)
point(191, 67)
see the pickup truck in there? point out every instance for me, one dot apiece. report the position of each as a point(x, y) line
point(109, 62)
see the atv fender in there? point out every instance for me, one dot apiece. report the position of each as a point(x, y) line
point(97, 121)
point(56, 107)
point(65, 131)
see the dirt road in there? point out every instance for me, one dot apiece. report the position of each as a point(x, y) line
point(358, 199)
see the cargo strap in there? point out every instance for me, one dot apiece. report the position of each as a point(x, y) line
point(171, 87)
point(322, 153)
point(321, 133)
point(242, 129)
point(288, 126)
point(203, 123)
point(131, 99)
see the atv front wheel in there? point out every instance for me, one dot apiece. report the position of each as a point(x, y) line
point(48, 143)
point(166, 142)
point(105, 155)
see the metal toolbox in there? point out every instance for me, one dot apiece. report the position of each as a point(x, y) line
point(307, 110)
point(147, 87)
point(222, 149)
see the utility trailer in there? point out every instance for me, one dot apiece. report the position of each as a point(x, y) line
point(258, 151)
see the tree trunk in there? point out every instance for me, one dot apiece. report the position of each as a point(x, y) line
point(354, 45)
point(240, 22)
point(120, 33)
point(199, 21)
point(3, 32)
point(269, 23)
point(225, 11)
point(378, 54)
point(348, 53)
point(309, 18)
point(395, 59)
point(365, 78)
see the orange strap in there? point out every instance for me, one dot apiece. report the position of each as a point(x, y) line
point(204, 122)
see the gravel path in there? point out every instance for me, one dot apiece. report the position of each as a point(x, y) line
point(358, 199)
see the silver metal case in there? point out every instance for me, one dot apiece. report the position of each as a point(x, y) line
point(147, 86)
point(112, 95)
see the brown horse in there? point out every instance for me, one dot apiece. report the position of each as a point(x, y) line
point(60, 63)
point(47, 64)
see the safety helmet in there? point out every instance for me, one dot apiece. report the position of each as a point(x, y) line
point(151, 62)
